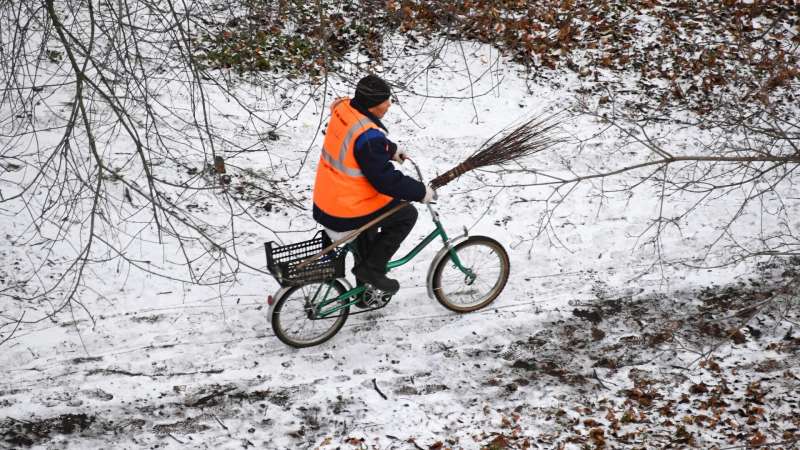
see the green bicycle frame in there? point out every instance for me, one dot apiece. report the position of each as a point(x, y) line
point(323, 312)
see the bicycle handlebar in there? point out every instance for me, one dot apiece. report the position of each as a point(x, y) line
point(419, 173)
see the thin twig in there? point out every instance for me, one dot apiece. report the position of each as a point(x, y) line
point(596, 377)
point(219, 422)
point(375, 385)
point(14, 330)
point(176, 439)
point(212, 395)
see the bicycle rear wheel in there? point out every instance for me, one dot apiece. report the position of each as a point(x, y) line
point(294, 318)
point(488, 263)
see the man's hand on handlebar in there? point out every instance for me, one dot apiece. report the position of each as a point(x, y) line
point(399, 156)
point(430, 195)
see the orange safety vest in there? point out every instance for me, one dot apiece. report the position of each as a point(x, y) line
point(341, 190)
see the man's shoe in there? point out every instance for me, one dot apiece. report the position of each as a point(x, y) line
point(377, 279)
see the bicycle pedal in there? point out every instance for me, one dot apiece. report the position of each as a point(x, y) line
point(374, 298)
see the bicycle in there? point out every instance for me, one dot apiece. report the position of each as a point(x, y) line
point(314, 302)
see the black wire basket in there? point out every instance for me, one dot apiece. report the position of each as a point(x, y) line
point(282, 261)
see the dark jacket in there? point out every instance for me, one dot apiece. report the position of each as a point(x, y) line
point(373, 152)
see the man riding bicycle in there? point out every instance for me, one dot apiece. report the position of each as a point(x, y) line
point(356, 182)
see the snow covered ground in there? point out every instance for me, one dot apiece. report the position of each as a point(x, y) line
point(596, 333)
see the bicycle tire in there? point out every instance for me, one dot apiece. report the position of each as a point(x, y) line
point(288, 303)
point(445, 271)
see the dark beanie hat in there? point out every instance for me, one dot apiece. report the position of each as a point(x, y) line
point(371, 91)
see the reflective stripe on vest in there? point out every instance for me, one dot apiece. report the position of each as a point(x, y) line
point(339, 163)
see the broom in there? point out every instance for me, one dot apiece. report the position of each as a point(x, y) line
point(537, 134)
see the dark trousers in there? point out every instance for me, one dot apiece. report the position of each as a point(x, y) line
point(377, 244)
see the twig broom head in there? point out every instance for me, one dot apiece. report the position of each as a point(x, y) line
point(537, 134)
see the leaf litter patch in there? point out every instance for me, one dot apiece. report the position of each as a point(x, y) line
point(705, 369)
point(692, 54)
point(25, 433)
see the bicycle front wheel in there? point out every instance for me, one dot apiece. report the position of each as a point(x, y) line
point(295, 318)
point(480, 279)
